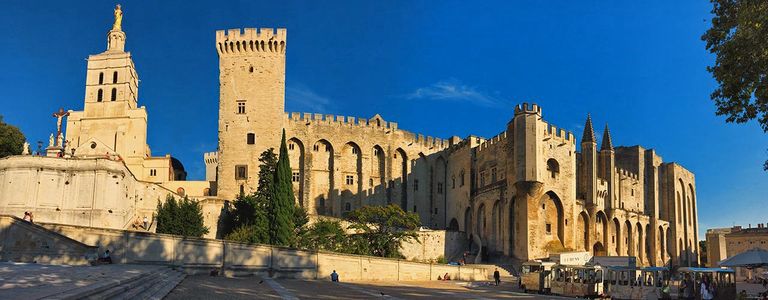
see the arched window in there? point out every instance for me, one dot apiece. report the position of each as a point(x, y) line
point(251, 139)
point(114, 94)
point(100, 95)
point(101, 78)
point(114, 77)
point(553, 167)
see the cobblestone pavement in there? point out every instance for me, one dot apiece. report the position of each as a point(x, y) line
point(206, 287)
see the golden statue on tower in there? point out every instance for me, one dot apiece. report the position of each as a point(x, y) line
point(118, 19)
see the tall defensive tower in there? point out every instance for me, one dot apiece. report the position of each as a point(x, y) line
point(251, 103)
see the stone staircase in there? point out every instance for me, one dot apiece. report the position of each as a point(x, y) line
point(153, 285)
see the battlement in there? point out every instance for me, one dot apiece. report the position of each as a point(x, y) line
point(361, 122)
point(211, 157)
point(501, 137)
point(251, 40)
point(311, 118)
point(559, 134)
point(628, 174)
point(527, 108)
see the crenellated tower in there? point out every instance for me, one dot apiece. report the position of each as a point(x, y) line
point(526, 128)
point(251, 103)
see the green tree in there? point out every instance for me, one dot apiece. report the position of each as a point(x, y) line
point(11, 139)
point(383, 228)
point(325, 235)
point(739, 39)
point(249, 212)
point(703, 253)
point(281, 209)
point(183, 217)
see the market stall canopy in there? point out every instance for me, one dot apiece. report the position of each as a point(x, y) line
point(754, 258)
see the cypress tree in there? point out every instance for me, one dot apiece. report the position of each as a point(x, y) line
point(281, 208)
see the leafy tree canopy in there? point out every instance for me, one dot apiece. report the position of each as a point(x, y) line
point(384, 228)
point(739, 39)
point(184, 217)
point(11, 139)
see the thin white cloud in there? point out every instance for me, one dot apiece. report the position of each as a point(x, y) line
point(303, 98)
point(454, 90)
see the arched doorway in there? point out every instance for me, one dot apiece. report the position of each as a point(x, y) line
point(582, 228)
point(552, 218)
point(598, 249)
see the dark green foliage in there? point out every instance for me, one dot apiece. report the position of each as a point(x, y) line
point(739, 39)
point(281, 209)
point(325, 235)
point(183, 217)
point(250, 234)
point(384, 228)
point(703, 260)
point(11, 139)
point(248, 216)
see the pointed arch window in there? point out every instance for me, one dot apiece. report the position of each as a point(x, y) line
point(114, 77)
point(114, 94)
point(101, 78)
point(100, 95)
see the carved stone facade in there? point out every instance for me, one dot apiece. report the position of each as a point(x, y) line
point(523, 193)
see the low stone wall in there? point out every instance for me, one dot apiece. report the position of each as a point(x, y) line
point(202, 255)
point(21, 241)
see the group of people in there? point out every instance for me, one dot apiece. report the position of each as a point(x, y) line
point(707, 289)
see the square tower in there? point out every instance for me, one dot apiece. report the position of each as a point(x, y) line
point(251, 103)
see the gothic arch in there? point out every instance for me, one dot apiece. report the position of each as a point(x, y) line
point(601, 229)
point(399, 189)
point(420, 188)
point(453, 225)
point(582, 229)
point(322, 176)
point(377, 178)
point(661, 248)
point(296, 158)
point(495, 225)
point(468, 221)
point(628, 241)
point(480, 229)
point(639, 251)
point(351, 165)
point(439, 191)
point(616, 238)
point(553, 217)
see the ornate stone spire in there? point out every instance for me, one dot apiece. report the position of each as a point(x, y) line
point(589, 133)
point(606, 144)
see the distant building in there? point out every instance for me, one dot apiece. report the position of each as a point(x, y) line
point(723, 243)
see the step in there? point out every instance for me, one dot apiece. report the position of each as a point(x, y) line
point(132, 288)
point(125, 286)
point(161, 283)
point(99, 286)
point(167, 288)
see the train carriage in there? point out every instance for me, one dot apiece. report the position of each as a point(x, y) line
point(536, 276)
point(578, 281)
point(722, 280)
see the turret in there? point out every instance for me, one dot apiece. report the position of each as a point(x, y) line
point(526, 128)
point(588, 188)
point(607, 165)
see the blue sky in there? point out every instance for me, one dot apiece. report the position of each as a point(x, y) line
point(440, 68)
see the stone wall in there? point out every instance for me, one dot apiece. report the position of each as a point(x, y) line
point(198, 255)
point(21, 241)
point(93, 192)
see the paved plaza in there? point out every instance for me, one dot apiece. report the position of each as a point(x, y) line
point(206, 287)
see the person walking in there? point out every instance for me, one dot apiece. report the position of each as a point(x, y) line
point(497, 276)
